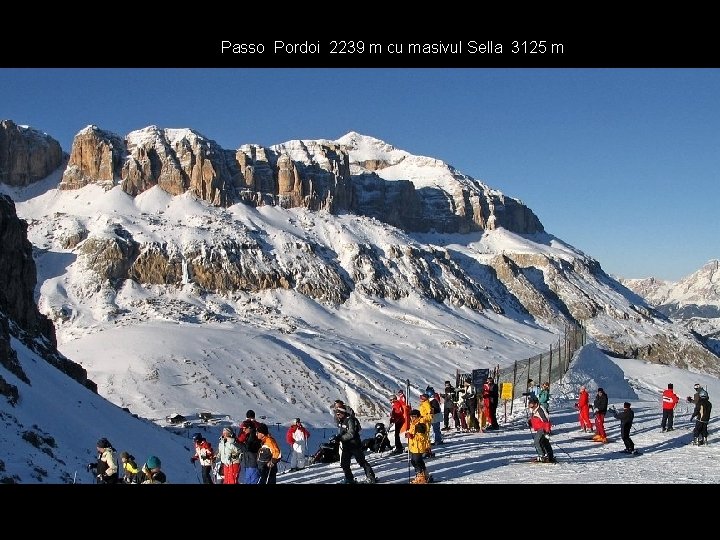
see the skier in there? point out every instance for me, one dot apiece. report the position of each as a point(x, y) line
point(418, 446)
point(249, 444)
point(544, 396)
point(702, 412)
point(450, 407)
point(203, 453)
point(229, 455)
point(626, 417)
point(539, 423)
point(105, 469)
point(351, 446)
point(397, 419)
point(600, 405)
point(583, 406)
point(297, 437)
point(268, 456)
point(491, 396)
point(669, 400)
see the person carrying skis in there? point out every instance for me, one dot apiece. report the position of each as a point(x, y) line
point(351, 446)
point(600, 405)
point(583, 406)
point(205, 455)
point(418, 446)
point(669, 401)
point(539, 423)
point(626, 417)
point(297, 437)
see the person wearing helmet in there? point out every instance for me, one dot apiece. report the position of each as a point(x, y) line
point(539, 423)
point(205, 455)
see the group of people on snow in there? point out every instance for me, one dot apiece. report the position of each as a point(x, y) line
point(251, 456)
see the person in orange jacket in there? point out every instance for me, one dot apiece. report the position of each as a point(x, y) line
point(268, 455)
point(669, 401)
point(297, 437)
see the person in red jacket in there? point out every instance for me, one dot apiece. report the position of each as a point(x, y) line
point(297, 437)
point(397, 419)
point(669, 401)
point(583, 406)
point(205, 455)
point(539, 423)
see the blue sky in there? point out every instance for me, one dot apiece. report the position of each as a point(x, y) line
point(621, 163)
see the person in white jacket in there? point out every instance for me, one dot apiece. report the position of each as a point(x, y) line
point(297, 437)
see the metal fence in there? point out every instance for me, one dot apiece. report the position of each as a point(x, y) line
point(546, 367)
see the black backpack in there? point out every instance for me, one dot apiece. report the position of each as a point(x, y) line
point(435, 406)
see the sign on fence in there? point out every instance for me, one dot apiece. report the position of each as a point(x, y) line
point(506, 391)
point(479, 376)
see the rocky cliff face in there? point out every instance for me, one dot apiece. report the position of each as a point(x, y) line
point(325, 255)
point(19, 315)
point(318, 175)
point(26, 155)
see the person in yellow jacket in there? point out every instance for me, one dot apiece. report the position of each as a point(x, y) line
point(426, 416)
point(418, 442)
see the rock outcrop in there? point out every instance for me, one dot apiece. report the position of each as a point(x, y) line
point(19, 315)
point(26, 155)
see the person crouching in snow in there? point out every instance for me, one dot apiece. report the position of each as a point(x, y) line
point(418, 446)
point(297, 437)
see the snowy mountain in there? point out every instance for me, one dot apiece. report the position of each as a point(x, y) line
point(184, 278)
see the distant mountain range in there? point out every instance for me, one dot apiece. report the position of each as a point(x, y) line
point(694, 300)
